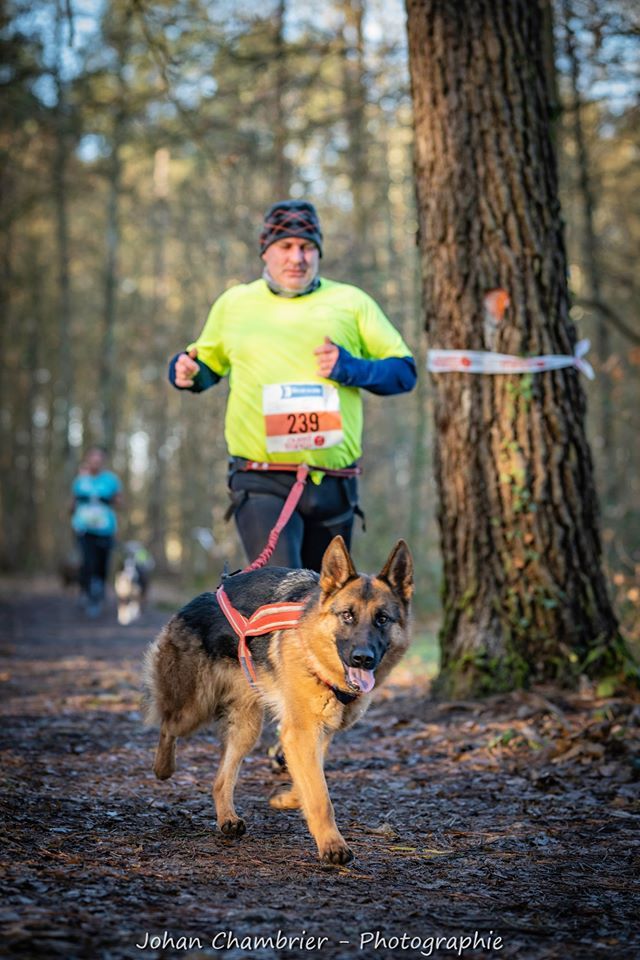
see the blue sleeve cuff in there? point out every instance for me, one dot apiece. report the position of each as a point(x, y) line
point(204, 378)
point(384, 377)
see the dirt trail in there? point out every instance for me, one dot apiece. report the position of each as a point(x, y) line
point(516, 819)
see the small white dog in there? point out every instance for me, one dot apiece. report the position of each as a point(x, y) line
point(132, 582)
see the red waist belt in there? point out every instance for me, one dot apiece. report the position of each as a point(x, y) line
point(247, 465)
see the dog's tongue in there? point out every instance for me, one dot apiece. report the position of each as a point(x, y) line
point(364, 680)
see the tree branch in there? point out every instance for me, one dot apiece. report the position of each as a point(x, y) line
point(611, 317)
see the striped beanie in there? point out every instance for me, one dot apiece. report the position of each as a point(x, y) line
point(291, 218)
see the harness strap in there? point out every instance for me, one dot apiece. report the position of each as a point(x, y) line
point(266, 619)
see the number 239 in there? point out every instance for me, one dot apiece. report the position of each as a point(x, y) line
point(303, 422)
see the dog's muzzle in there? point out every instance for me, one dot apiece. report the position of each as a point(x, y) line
point(362, 663)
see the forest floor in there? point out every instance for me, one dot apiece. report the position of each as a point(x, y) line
point(515, 819)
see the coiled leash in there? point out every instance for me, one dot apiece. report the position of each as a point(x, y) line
point(301, 471)
point(290, 504)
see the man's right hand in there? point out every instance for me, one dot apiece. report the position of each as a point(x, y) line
point(186, 368)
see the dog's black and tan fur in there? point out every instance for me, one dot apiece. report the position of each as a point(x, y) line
point(354, 627)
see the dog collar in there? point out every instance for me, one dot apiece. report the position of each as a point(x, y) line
point(341, 695)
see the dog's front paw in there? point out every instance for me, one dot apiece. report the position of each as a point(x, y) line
point(233, 828)
point(336, 851)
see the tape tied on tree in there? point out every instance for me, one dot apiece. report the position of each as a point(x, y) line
point(483, 361)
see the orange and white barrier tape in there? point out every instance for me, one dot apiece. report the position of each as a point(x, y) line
point(482, 361)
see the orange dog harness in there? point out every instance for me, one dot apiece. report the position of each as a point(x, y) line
point(266, 619)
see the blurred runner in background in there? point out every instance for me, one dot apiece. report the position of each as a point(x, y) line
point(96, 493)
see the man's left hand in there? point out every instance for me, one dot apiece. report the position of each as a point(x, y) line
point(327, 355)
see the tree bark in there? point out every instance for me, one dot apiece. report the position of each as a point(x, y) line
point(7, 398)
point(109, 378)
point(355, 96)
point(282, 165)
point(524, 594)
point(158, 323)
point(65, 386)
point(550, 70)
point(34, 326)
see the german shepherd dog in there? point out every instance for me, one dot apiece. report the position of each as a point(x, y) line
point(316, 677)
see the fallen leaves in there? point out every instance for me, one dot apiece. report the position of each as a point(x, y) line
point(521, 812)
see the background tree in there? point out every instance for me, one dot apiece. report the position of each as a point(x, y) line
point(524, 593)
point(597, 45)
point(249, 98)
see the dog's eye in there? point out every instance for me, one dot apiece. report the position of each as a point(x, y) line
point(381, 619)
point(346, 616)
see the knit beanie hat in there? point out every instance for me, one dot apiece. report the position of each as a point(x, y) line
point(291, 218)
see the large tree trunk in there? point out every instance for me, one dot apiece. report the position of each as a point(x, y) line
point(524, 595)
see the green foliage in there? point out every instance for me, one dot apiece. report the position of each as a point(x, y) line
point(479, 674)
point(612, 665)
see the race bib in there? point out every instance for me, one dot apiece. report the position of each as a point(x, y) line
point(94, 517)
point(301, 416)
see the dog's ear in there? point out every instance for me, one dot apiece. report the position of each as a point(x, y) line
point(398, 571)
point(337, 567)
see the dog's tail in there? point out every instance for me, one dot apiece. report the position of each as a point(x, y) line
point(150, 691)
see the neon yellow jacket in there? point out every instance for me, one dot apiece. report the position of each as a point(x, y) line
point(260, 338)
